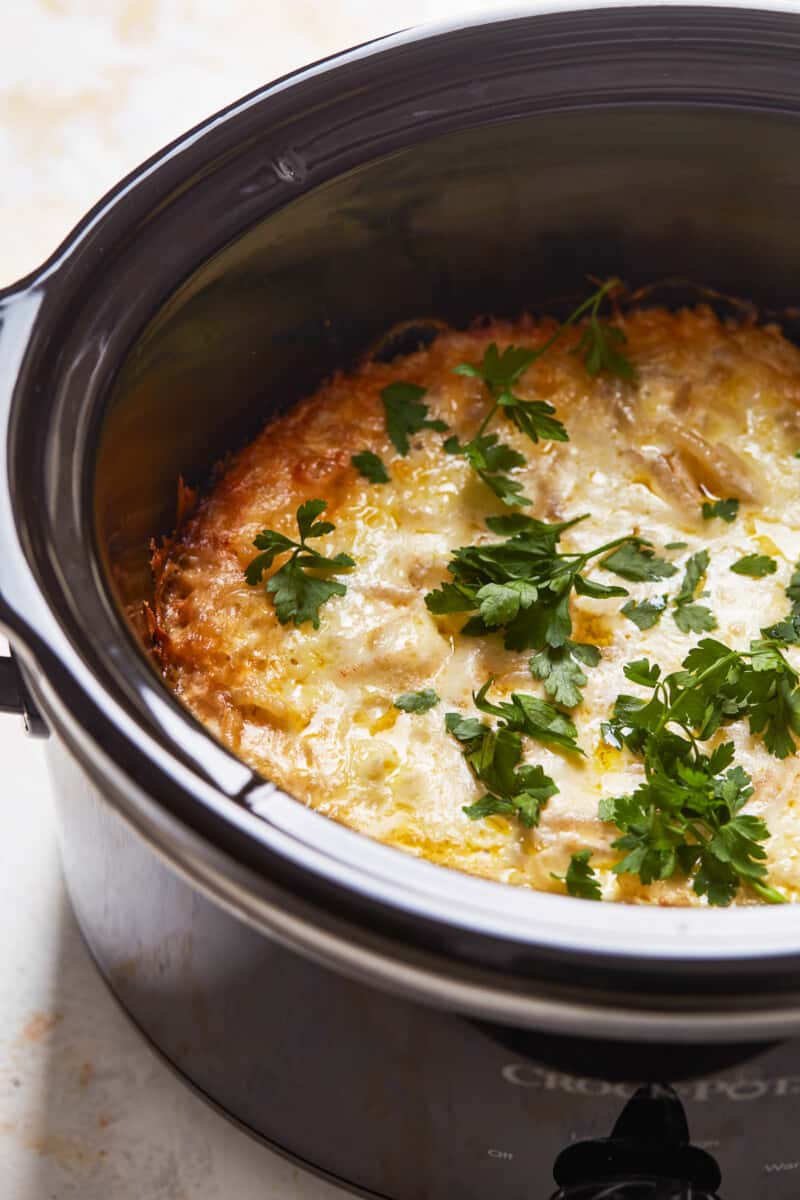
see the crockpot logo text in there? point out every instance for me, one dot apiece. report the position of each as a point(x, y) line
point(526, 1075)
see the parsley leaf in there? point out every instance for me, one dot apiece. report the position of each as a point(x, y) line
point(523, 586)
point(561, 671)
point(298, 596)
point(406, 414)
point(500, 603)
point(499, 371)
point(464, 729)
point(297, 591)
point(755, 565)
point(726, 509)
point(685, 820)
point(495, 756)
point(525, 805)
point(694, 618)
point(533, 418)
point(370, 466)
point(688, 616)
point(637, 561)
point(696, 567)
point(580, 879)
point(788, 629)
point(598, 343)
point(643, 672)
point(529, 715)
point(417, 702)
point(646, 614)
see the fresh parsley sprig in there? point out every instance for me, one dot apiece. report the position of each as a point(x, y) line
point(494, 754)
point(406, 415)
point(522, 586)
point(599, 344)
point(686, 817)
point(689, 616)
point(500, 371)
point(560, 669)
point(490, 458)
point(303, 584)
point(716, 686)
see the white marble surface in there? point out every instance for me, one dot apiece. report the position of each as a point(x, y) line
point(88, 88)
point(86, 1109)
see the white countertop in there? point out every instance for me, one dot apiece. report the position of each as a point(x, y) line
point(86, 1108)
point(89, 88)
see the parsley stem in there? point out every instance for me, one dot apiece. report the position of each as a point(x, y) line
point(486, 421)
point(668, 713)
point(602, 549)
point(591, 302)
point(687, 730)
point(771, 895)
point(576, 561)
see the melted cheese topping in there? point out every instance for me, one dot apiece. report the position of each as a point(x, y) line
point(714, 413)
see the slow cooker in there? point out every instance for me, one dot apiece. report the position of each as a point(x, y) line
point(411, 1033)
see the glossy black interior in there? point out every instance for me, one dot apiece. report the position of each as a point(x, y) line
point(498, 218)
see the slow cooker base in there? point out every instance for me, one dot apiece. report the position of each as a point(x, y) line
point(381, 1095)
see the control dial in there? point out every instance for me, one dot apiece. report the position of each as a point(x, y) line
point(647, 1157)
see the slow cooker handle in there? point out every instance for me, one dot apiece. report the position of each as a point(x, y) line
point(18, 309)
point(15, 697)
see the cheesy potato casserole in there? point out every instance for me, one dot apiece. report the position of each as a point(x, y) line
point(595, 692)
